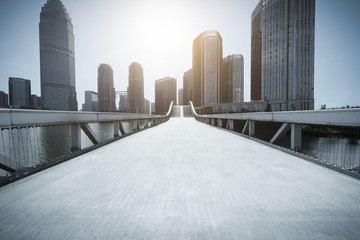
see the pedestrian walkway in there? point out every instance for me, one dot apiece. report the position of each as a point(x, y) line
point(182, 180)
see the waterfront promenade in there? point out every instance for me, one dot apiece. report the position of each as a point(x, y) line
point(182, 180)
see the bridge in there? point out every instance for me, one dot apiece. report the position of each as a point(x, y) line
point(180, 178)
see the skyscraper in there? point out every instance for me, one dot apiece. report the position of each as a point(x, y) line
point(4, 99)
point(106, 90)
point(283, 34)
point(136, 88)
point(207, 64)
point(180, 96)
point(91, 102)
point(232, 81)
point(187, 86)
point(57, 58)
point(19, 92)
point(165, 93)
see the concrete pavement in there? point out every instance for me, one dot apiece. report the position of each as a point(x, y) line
point(182, 180)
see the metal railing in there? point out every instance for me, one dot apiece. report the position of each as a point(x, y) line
point(32, 140)
point(328, 137)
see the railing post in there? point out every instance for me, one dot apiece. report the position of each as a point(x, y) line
point(219, 122)
point(296, 133)
point(116, 128)
point(231, 124)
point(251, 128)
point(75, 137)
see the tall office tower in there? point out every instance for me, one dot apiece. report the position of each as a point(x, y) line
point(256, 47)
point(165, 93)
point(187, 87)
point(136, 88)
point(180, 96)
point(106, 90)
point(19, 92)
point(207, 64)
point(123, 103)
point(232, 82)
point(4, 102)
point(287, 53)
point(57, 61)
point(146, 106)
point(91, 102)
point(35, 101)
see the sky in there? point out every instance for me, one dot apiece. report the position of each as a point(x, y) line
point(159, 34)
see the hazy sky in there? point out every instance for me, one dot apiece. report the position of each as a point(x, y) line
point(159, 34)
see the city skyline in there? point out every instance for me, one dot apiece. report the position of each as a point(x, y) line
point(121, 41)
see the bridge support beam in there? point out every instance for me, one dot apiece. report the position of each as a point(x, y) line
point(281, 132)
point(296, 133)
point(213, 121)
point(245, 127)
point(121, 128)
point(89, 132)
point(230, 124)
point(75, 137)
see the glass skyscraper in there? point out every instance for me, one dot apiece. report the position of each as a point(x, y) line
point(207, 64)
point(106, 90)
point(283, 36)
point(57, 58)
point(136, 88)
point(232, 82)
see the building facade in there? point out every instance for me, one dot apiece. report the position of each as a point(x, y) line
point(187, 87)
point(57, 58)
point(180, 96)
point(35, 101)
point(287, 54)
point(136, 88)
point(207, 64)
point(123, 101)
point(232, 82)
point(165, 93)
point(91, 102)
point(4, 100)
point(19, 92)
point(106, 90)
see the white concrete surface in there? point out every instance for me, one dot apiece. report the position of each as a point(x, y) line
point(182, 180)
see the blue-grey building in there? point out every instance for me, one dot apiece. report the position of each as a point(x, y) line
point(57, 58)
point(4, 99)
point(19, 92)
point(91, 102)
point(282, 54)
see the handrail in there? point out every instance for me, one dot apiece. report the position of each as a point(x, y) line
point(338, 117)
point(19, 117)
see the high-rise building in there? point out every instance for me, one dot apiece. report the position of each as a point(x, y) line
point(57, 59)
point(187, 87)
point(35, 101)
point(256, 47)
point(91, 102)
point(106, 90)
point(207, 64)
point(123, 101)
point(19, 92)
point(146, 106)
point(152, 108)
point(4, 99)
point(283, 35)
point(136, 88)
point(180, 96)
point(232, 82)
point(165, 93)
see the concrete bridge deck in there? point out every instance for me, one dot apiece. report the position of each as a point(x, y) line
point(182, 180)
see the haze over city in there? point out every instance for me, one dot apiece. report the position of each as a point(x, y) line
point(159, 35)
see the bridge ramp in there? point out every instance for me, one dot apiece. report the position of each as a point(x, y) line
point(182, 180)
